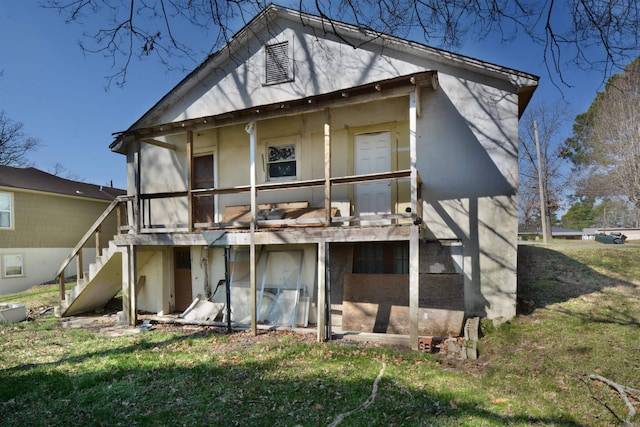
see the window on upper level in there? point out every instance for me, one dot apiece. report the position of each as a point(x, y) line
point(281, 162)
point(6, 211)
point(278, 63)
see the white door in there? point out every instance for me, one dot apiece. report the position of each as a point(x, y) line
point(373, 155)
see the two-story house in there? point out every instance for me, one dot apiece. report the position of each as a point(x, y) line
point(369, 189)
point(42, 217)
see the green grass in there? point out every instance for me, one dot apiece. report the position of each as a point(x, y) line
point(580, 316)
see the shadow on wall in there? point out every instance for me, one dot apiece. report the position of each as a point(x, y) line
point(459, 176)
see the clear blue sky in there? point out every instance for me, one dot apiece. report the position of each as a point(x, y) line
point(59, 94)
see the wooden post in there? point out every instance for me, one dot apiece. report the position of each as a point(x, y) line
point(190, 178)
point(79, 270)
point(322, 291)
point(119, 219)
point(414, 285)
point(327, 167)
point(99, 241)
point(129, 312)
point(133, 312)
point(413, 153)
point(251, 130)
point(126, 286)
point(414, 239)
point(63, 294)
point(137, 185)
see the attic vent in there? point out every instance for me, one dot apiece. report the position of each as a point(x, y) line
point(278, 66)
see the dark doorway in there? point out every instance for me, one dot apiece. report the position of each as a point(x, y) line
point(203, 178)
point(182, 278)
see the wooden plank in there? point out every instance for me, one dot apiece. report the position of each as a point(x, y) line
point(158, 143)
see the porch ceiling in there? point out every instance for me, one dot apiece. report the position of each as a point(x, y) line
point(358, 94)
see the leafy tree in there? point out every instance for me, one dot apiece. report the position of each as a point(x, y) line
point(566, 32)
point(14, 144)
point(549, 119)
point(580, 214)
point(605, 145)
point(614, 213)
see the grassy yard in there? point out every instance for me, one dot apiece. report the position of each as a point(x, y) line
point(580, 316)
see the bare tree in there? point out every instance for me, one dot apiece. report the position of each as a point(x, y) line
point(606, 144)
point(14, 144)
point(566, 32)
point(550, 119)
point(62, 171)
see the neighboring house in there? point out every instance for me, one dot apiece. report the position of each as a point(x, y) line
point(556, 232)
point(365, 190)
point(42, 217)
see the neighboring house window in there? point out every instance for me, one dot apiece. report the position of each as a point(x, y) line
point(13, 266)
point(6, 211)
point(381, 258)
point(278, 63)
point(282, 162)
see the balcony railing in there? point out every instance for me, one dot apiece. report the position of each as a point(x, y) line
point(121, 205)
point(149, 203)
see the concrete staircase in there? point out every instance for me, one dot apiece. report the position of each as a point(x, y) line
point(100, 284)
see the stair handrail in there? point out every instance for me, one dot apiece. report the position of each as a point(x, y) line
point(96, 225)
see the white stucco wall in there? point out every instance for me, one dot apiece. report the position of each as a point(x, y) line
point(467, 142)
point(40, 266)
point(467, 152)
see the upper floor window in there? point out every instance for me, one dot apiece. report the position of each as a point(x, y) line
point(278, 63)
point(281, 161)
point(6, 211)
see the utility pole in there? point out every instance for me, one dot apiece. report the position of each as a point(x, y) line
point(543, 202)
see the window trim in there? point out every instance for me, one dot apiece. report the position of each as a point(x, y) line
point(293, 141)
point(4, 266)
point(11, 210)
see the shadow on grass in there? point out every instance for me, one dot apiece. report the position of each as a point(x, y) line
point(547, 277)
point(257, 384)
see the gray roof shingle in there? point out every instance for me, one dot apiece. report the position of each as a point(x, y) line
point(35, 179)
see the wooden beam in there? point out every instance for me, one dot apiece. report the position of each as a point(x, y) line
point(133, 273)
point(126, 287)
point(384, 89)
point(190, 178)
point(322, 292)
point(414, 286)
point(137, 187)
point(414, 238)
point(79, 269)
point(158, 143)
point(251, 130)
point(62, 290)
point(327, 167)
point(99, 241)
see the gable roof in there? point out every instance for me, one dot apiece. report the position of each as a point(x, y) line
point(524, 84)
point(37, 180)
